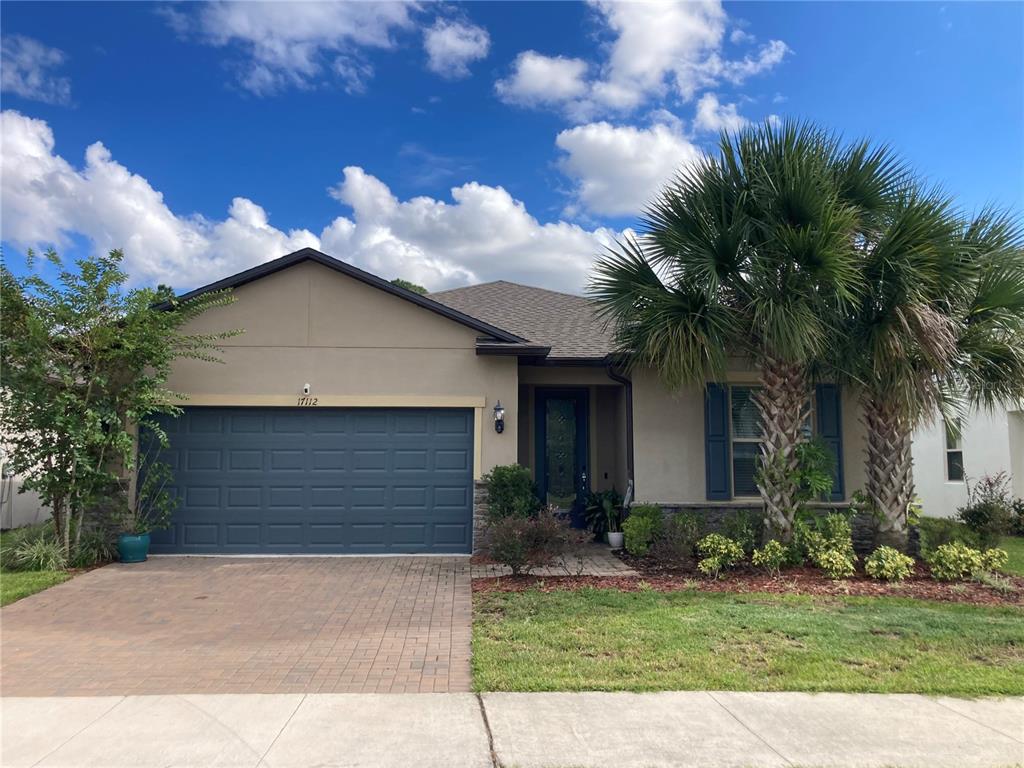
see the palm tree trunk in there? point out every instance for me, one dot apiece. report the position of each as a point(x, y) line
point(783, 401)
point(890, 468)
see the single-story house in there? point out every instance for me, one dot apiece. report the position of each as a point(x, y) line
point(353, 416)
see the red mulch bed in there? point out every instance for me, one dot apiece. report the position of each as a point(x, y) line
point(794, 581)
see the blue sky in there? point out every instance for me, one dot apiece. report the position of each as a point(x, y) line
point(204, 139)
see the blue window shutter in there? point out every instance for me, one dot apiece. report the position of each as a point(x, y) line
point(830, 429)
point(716, 442)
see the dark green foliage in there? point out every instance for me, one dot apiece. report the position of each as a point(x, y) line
point(936, 531)
point(642, 528)
point(604, 512)
point(525, 543)
point(990, 509)
point(745, 528)
point(678, 540)
point(511, 492)
point(409, 286)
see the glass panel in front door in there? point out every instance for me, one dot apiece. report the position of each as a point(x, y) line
point(560, 451)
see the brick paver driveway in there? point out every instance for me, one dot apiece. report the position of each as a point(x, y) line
point(244, 625)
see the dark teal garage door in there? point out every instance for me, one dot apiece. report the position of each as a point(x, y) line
point(320, 480)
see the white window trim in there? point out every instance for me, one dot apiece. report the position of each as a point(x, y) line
point(958, 447)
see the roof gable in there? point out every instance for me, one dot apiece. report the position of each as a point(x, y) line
point(311, 254)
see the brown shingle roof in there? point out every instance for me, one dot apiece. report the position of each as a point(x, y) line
point(562, 321)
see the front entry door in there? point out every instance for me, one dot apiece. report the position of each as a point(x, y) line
point(562, 439)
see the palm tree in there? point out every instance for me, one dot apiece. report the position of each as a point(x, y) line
point(751, 252)
point(939, 329)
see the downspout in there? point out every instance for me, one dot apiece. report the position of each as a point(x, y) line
point(628, 386)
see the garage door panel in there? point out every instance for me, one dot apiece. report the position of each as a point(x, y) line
point(320, 480)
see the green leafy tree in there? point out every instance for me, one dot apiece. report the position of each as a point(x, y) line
point(752, 253)
point(409, 286)
point(85, 362)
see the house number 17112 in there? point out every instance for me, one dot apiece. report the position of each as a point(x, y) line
point(310, 401)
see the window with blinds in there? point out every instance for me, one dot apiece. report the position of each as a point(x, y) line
point(746, 435)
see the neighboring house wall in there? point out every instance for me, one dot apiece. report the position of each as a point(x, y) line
point(19, 509)
point(669, 444)
point(356, 346)
point(991, 442)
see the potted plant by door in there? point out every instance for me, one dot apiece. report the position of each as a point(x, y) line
point(150, 510)
point(615, 535)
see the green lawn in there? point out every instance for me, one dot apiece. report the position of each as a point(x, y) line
point(1014, 546)
point(15, 585)
point(647, 641)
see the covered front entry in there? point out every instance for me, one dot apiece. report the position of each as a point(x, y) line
point(320, 480)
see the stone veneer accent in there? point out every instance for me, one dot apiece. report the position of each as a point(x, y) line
point(479, 516)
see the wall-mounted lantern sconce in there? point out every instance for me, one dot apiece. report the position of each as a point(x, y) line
point(499, 418)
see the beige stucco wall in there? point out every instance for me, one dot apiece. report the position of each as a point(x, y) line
point(355, 345)
point(668, 433)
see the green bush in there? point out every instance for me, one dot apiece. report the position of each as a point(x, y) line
point(38, 554)
point(936, 531)
point(828, 543)
point(511, 492)
point(836, 564)
point(604, 512)
point(888, 564)
point(989, 510)
point(994, 560)
point(771, 557)
point(642, 528)
point(19, 536)
point(951, 562)
point(717, 552)
point(525, 543)
point(95, 548)
point(679, 534)
point(744, 528)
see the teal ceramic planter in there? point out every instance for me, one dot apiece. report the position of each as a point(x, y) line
point(133, 548)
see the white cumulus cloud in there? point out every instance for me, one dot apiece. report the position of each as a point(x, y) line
point(618, 169)
point(452, 45)
point(713, 116)
point(27, 69)
point(539, 80)
point(658, 50)
point(296, 44)
point(482, 233)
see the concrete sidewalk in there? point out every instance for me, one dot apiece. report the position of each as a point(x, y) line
point(555, 730)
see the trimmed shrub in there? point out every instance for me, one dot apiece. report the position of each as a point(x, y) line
point(525, 543)
point(745, 528)
point(771, 557)
point(717, 553)
point(994, 560)
point(643, 526)
point(888, 564)
point(679, 534)
point(951, 562)
point(828, 544)
point(511, 492)
point(836, 564)
point(936, 531)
